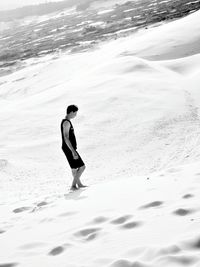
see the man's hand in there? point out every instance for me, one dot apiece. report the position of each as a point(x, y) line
point(75, 155)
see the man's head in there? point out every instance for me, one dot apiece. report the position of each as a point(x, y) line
point(72, 111)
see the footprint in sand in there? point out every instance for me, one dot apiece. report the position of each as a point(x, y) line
point(121, 220)
point(183, 212)
point(42, 203)
point(188, 196)
point(126, 263)
point(131, 225)
point(22, 209)
point(56, 251)
point(194, 244)
point(152, 205)
point(8, 264)
point(180, 260)
point(87, 234)
point(59, 249)
point(100, 219)
point(39, 206)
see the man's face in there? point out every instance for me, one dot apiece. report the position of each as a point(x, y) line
point(74, 114)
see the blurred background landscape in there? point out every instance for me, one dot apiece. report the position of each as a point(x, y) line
point(48, 29)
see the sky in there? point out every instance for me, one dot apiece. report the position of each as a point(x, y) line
point(11, 4)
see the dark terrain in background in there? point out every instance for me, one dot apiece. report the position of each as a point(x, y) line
point(43, 9)
point(79, 30)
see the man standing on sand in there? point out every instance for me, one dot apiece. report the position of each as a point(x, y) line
point(69, 147)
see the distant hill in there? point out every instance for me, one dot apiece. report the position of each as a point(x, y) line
point(42, 9)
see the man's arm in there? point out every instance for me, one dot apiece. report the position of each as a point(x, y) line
point(66, 127)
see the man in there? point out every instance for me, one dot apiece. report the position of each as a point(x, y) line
point(69, 147)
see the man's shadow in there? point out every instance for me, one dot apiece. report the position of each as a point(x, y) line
point(75, 195)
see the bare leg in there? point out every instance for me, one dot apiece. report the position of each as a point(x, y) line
point(80, 172)
point(76, 175)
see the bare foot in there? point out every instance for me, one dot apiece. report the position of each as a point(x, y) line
point(82, 185)
point(73, 188)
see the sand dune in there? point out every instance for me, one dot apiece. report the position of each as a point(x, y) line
point(169, 41)
point(159, 226)
point(138, 132)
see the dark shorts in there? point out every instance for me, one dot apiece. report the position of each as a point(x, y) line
point(73, 163)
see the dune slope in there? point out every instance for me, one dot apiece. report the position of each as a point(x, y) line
point(138, 132)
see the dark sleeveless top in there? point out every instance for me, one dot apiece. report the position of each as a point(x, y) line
point(72, 137)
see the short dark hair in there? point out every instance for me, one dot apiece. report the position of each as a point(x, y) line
point(72, 108)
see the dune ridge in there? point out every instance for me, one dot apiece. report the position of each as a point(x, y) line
point(138, 130)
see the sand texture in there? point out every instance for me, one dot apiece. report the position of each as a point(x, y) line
point(137, 128)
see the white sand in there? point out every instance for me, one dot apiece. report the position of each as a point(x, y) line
point(138, 132)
